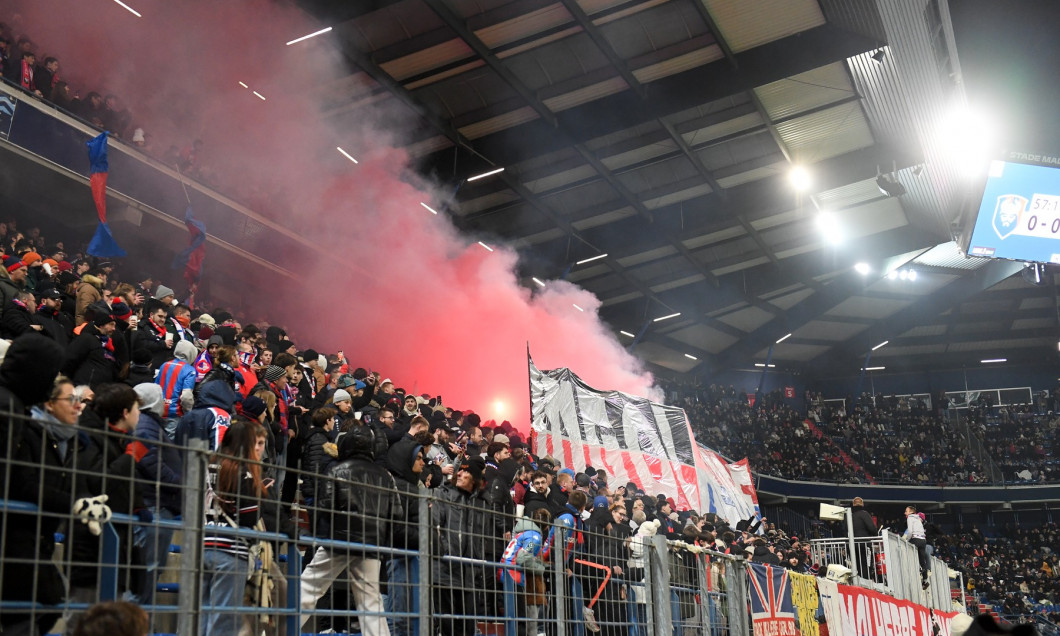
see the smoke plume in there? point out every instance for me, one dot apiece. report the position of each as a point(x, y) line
point(394, 286)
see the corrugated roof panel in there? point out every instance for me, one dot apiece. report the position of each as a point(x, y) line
point(864, 307)
point(828, 330)
point(762, 172)
point(637, 155)
point(721, 129)
point(805, 91)
point(1032, 323)
point(676, 197)
point(498, 123)
point(602, 219)
point(778, 219)
point(825, 134)
point(747, 24)
point(798, 352)
point(649, 255)
point(788, 301)
point(728, 269)
point(560, 179)
point(677, 282)
point(678, 64)
point(427, 146)
point(586, 94)
point(703, 337)
point(427, 59)
point(893, 351)
point(1012, 343)
point(848, 195)
point(1037, 303)
point(925, 330)
point(523, 25)
point(490, 200)
point(747, 319)
point(949, 255)
point(713, 237)
point(665, 357)
point(925, 283)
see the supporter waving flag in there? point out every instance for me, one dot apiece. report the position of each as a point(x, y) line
point(103, 244)
point(191, 257)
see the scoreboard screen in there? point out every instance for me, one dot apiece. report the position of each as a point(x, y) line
point(1019, 215)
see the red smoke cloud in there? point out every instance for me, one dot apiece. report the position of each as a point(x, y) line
point(397, 288)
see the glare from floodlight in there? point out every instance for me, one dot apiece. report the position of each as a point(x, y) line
point(880, 345)
point(903, 274)
point(429, 208)
point(488, 248)
point(993, 360)
point(863, 268)
point(691, 357)
point(667, 317)
point(538, 281)
point(912, 274)
point(800, 178)
point(893, 274)
point(129, 9)
point(350, 157)
point(783, 338)
point(577, 307)
point(591, 259)
point(828, 225)
point(626, 333)
point(875, 368)
point(968, 138)
point(485, 174)
point(305, 37)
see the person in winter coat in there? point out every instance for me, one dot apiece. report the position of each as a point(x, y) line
point(159, 470)
point(537, 496)
point(12, 280)
point(140, 369)
point(41, 448)
point(406, 461)
point(520, 583)
point(175, 376)
point(602, 561)
point(915, 534)
point(18, 317)
point(151, 334)
point(111, 470)
point(318, 453)
point(362, 501)
point(92, 357)
point(451, 516)
point(864, 528)
point(89, 291)
point(210, 416)
point(55, 323)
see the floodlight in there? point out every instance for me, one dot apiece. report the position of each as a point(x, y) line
point(863, 268)
point(800, 178)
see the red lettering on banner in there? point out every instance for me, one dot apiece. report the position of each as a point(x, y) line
point(869, 613)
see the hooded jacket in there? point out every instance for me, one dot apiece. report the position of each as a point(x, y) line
point(176, 375)
point(362, 495)
point(399, 460)
point(160, 463)
point(211, 415)
point(88, 292)
point(90, 361)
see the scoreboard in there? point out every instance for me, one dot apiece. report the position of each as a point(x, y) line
point(1019, 214)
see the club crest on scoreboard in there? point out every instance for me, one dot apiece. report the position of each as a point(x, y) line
point(1007, 214)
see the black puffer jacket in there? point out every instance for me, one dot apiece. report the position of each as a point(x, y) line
point(87, 362)
point(361, 494)
point(315, 461)
point(399, 460)
point(453, 516)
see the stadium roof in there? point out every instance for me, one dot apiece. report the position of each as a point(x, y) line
point(662, 134)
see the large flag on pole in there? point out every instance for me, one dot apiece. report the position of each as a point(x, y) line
point(631, 438)
point(102, 244)
point(191, 257)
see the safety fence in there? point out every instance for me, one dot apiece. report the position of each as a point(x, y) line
point(228, 542)
point(205, 542)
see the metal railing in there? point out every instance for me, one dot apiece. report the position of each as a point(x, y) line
point(409, 562)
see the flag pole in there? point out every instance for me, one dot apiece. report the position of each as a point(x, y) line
point(180, 177)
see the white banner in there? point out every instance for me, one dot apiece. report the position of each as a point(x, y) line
point(856, 610)
point(633, 439)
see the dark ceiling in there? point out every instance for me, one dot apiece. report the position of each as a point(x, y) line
point(662, 133)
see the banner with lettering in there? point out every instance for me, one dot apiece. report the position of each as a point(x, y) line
point(804, 597)
point(772, 612)
point(856, 610)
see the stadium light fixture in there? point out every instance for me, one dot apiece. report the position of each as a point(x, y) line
point(828, 226)
point(875, 368)
point(577, 307)
point(429, 208)
point(993, 360)
point(667, 317)
point(903, 274)
point(485, 174)
point(129, 9)
point(763, 365)
point(892, 275)
point(691, 357)
point(912, 275)
point(626, 333)
point(880, 345)
point(260, 96)
point(783, 338)
point(487, 247)
point(591, 259)
point(863, 268)
point(968, 137)
point(350, 157)
point(304, 37)
point(800, 178)
point(243, 85)
point(538, 281)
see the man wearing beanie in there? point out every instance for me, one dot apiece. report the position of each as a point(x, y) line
point(91, 357)
point(12, 280)
point(160, 468)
